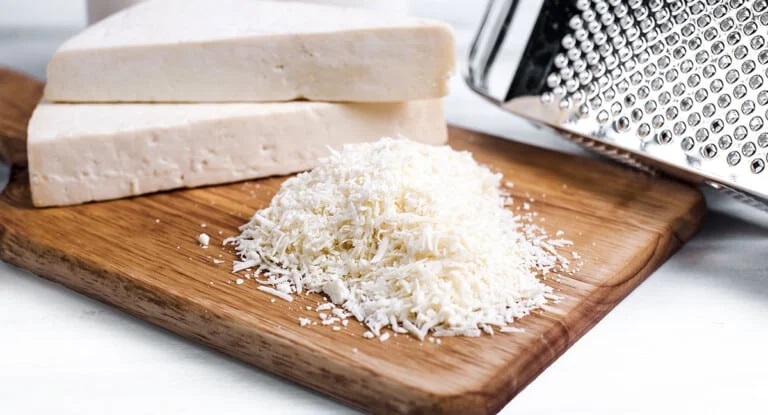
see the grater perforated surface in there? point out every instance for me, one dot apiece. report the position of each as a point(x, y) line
point(692, 74)
point(678, 86)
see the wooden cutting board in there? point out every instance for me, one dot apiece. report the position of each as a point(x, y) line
point(141, 256)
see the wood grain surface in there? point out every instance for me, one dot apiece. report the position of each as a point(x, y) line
point(19, 94)
point(141, 256)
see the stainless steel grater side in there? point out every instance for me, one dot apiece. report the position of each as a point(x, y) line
point(679, 86)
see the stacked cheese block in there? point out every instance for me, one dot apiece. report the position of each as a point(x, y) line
point(182, 93)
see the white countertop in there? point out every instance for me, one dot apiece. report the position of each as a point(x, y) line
point(692, 339)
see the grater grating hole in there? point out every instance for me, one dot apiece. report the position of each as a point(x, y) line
point(732, 116)
point(725, 142)
point(687, 143)
point(702, 134)
point(740, 52)
point(740, 133)
point(708, 110)
point(739, 91)
point(749, 28)
point(694, 119)
point(733, 158)
point(762, 98)
point(748, 149)
point(762, 140)
point(747, 107)
point(709, 151)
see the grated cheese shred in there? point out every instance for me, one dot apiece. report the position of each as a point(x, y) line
point(402, 236)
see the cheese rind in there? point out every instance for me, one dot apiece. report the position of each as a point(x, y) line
point(252, 51)
point(90, 152)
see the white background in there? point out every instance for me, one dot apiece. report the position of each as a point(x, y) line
point(692, 339)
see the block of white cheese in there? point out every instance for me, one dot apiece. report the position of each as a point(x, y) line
point(86, 152)
point(252, 51)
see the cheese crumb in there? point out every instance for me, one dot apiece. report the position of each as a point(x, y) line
point(239, 281)
point(326, 306)
point(575, 255)
point(402, 235)
point(339, 313)
point(276, 293)
point(203, 239)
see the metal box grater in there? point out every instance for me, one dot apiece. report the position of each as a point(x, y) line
point(679, 86)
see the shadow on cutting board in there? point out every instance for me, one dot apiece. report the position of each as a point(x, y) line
point(16, 192)
point(5, 172)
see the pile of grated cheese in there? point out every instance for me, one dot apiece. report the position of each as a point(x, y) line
point(401, 235)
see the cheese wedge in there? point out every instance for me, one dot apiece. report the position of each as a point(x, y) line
point(254, 51)
point(81, 153)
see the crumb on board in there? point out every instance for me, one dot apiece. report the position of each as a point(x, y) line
point(276, 293)
point(575, 255)
point(303, 321)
